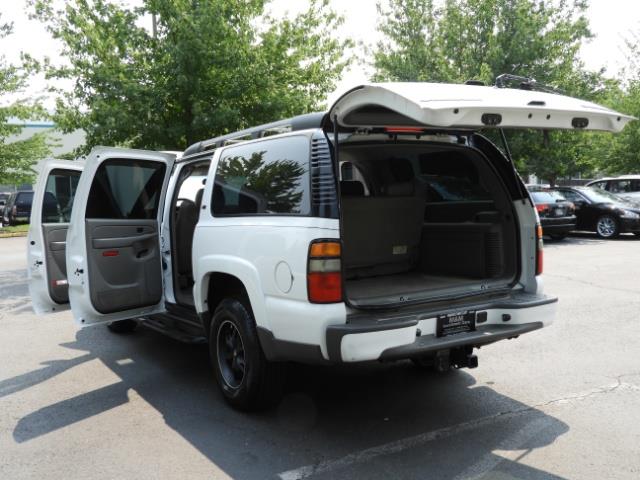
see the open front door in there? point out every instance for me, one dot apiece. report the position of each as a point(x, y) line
point(113, 250)
point(46, 243)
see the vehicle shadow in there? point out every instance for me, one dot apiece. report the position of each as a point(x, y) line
point(445, 424)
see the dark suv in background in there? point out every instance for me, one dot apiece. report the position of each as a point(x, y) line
point(17, 208)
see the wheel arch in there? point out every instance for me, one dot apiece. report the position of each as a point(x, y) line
point(231, 278)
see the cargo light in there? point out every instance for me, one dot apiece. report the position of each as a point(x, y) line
point(539, 250)
point(324, 272)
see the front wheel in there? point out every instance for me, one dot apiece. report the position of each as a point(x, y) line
point(607, 227)
point(246, 378)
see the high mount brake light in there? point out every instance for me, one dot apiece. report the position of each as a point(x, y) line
point(324, 272)
point(404, 129)
point(539, 250)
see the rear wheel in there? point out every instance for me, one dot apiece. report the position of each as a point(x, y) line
point(246, 378)
point(123, 326)
point(607, 227)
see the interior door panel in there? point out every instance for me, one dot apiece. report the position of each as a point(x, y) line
point(55, 243)
point(124, 264)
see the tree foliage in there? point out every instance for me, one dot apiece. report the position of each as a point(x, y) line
point(17, 157)
point(208, 68)
point(482, 39)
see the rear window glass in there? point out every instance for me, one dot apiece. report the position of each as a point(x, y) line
point(126, 189)
point(543, 197)
point(268, 177)
point(58, 196)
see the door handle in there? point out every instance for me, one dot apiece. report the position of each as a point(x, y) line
point(57, 246)
point(118, 242)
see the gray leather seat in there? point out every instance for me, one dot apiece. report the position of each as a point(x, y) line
point(185, 227)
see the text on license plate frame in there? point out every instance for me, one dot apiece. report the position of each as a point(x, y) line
point(452, 323)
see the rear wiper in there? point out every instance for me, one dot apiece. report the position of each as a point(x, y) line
point(524, 83)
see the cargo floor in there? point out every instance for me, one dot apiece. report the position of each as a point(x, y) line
point(402, 284)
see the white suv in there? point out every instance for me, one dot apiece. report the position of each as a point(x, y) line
point(384, 229)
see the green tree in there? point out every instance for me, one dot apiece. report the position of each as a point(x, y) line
point(481, 39)
point(206, 68)
point(17, 157)
point(623, 156)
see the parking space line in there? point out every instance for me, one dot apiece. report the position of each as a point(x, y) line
point(426, 437)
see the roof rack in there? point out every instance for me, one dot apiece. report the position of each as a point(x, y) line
point(524, 83)
point(300, 122)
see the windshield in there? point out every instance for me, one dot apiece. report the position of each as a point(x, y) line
point(601, 196)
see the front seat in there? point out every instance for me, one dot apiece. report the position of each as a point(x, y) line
point(185, 227)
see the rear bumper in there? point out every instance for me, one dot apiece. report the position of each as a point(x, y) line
point(558, 225)
point(375, 337)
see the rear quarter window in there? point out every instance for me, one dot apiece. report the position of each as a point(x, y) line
point(269, 177)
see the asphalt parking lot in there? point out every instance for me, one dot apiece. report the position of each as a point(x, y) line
point(563, 402)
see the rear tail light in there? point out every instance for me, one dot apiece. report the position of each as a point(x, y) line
point(542, 207)
point(324, 272)
point(539, 250)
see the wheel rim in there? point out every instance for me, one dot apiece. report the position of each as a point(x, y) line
point(606, 226)
point(230, 354)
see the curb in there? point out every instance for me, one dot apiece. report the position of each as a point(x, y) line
point(13, 234)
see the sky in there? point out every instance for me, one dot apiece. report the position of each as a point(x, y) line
point(611, 21)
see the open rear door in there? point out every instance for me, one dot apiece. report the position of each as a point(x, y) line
point(473, 107)
point(46, 242)
point(113, 250)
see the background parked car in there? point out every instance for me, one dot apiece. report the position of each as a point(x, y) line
point(625, 186)
point(556, 213)
point(18, 208)
point(602, 212)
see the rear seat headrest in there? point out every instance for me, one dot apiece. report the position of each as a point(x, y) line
point(352, 188)
point(401, 189)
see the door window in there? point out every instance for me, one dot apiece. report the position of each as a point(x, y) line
point(620, 186)
point(126, 189)
point(58, 195)
point(268, 177)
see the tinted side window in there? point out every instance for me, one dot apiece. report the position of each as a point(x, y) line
point(451, 178)
point(58, 195)
point(126, 189)
point(268, 177)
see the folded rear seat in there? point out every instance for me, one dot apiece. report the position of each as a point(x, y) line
point(382, 234)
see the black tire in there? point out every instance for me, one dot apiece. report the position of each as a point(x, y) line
point(248, 381)
point(123, 326)
point(607, 226)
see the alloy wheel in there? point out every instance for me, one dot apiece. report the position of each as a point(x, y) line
point(606, 227)
point(231, 354)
